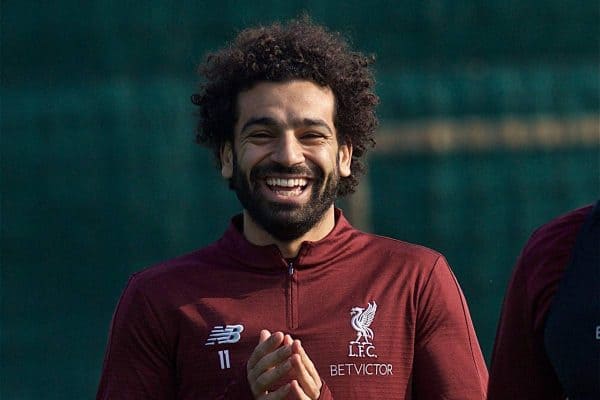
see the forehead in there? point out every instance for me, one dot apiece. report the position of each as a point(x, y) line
point(286, 102)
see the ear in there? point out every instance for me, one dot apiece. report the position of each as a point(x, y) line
point(345, 159)
point(226, 157)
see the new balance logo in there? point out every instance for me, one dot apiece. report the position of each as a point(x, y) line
point(224, 334)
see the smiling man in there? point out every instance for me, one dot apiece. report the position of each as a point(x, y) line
point(285, 163)
point(292, 302)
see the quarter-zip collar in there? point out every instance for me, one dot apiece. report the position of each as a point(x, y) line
point(311, 254)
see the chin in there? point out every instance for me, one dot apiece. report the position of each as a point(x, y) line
point(285, 222)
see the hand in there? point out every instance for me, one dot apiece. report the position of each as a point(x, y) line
point(307, 384)
point(278, 358)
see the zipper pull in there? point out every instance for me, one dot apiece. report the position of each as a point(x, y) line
point(290, 268)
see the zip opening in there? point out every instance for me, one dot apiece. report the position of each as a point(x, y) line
point(292, 301)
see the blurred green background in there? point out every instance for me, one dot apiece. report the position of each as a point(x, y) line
point(101, 176)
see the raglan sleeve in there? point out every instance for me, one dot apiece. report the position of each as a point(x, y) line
point(137, 362)
point(448, 362)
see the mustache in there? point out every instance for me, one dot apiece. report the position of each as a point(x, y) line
point(262, 171)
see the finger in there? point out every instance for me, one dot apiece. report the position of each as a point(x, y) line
point(264, 335)
point(305, 372)
point(305, 380)
point(267, 372)
point(297, 348)
point(296, 392)
point(279, 394)
point(266, 344)
point(271, 378)
point(270, 361)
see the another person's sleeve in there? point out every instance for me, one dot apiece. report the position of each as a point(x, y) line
point(137, 363)
point(520, 368)
point(448, 361)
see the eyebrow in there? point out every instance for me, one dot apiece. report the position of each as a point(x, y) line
point(268, 121)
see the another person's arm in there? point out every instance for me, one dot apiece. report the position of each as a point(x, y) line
point(520, 368)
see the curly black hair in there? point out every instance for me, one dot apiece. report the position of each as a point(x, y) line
point(299, 49)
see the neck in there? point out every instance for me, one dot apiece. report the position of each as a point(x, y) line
point(289, 249)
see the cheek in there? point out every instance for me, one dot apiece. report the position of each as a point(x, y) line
point(251, 156)
point(325, 159)
point(242, 164)
point(246, 162)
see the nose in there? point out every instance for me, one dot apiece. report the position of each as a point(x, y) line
point(288, 150)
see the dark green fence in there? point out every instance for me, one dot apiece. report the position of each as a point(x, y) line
point(478, 209)
point(100, 176)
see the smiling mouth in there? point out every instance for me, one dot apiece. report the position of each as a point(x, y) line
point(288, 187)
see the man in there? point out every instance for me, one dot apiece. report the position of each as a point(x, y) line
point(548, 341)
point(292, 302)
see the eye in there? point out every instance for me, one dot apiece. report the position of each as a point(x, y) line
point(312, 135)
point(260, 135)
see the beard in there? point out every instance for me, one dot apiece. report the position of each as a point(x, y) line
point(284, 221)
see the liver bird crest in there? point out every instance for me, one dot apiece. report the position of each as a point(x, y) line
point(361, 320)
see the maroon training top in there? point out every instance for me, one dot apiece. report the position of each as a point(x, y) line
point(520, 368)
point(380, 318)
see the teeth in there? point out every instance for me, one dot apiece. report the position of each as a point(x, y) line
point(282, 182)
point(289, 193)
